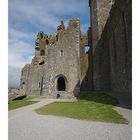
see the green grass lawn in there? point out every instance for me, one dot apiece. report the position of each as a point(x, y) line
point(90, 106)
point(20, 102)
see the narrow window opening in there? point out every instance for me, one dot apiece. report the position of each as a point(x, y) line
point(86, 79)
point(61, 53)
point(41, 86)
point(42, 52)
point(41, 35)
point(36, 43)
point(37, 48)
point(47, 42)
point(86, 49)
point(57, 37)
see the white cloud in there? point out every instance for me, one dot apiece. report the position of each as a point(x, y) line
point(46, 12)
point(19, 49)
point(20, 52)
point(16, 34)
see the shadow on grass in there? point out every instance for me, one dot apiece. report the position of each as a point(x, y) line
point(93, 106)
point(117, 99)
point(20, 102)
point(98, 97)
point(20, 98)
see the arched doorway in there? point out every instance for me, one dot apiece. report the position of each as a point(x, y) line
point(61, 86)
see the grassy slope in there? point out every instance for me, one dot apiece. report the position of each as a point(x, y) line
point(96, 107)
point(20, 102)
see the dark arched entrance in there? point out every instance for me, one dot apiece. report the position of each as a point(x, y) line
point(61, 84)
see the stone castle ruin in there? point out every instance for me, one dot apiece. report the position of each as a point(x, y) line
point(60, 63)
point(56, 64)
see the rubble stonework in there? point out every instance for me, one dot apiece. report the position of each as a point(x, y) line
point(56, 64)
point(14, 93)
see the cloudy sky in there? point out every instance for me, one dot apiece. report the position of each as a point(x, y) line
point(27, 18)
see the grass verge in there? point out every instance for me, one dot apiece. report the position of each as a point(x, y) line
point(20, 103)
point(90, 106)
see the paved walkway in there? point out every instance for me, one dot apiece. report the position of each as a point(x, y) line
point(25, 124)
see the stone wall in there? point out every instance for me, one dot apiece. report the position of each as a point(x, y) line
point(60, 60)
point(112, 51)
point(99, 13)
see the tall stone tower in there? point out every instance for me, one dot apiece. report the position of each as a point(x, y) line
point(99, 13)
point(56, 64)
point(111, 32)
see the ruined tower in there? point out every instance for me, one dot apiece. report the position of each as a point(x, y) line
point(56, 64)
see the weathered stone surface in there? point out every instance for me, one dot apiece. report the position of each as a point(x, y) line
point(15, 93)
point(56, 65)
point(112, 46)
point(99, 13)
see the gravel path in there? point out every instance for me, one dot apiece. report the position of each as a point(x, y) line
point(25, 124)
